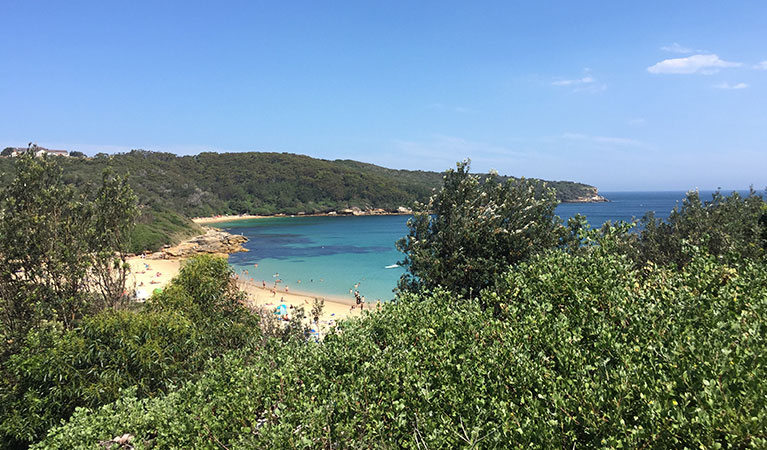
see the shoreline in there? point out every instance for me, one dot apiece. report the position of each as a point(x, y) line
point(253, 285)
point(148, 274)
point(238, 217)
point(356, 213)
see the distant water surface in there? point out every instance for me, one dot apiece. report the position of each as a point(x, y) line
point(330, 255)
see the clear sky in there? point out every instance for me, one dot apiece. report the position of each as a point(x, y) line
point(646, 95)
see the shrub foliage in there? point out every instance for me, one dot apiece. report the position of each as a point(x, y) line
point(512, 330)
point(473, 228)
point(590, 352)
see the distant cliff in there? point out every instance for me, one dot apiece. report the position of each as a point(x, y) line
point(588, 194)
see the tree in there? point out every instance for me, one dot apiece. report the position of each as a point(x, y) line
point(7, 151)
point(733, 227)
point(76, 154)
point(114, 217)
point(473, 229)
point(57, 244)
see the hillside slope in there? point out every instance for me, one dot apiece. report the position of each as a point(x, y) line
point(173, 188)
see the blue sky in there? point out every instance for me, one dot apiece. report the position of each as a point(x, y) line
point(622, 95)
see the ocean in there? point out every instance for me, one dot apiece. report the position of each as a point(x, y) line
point(332, 256)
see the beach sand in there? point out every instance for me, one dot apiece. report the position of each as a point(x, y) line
point(214, 219)
point(156, 276)
point(333, 309)
point(150, 274)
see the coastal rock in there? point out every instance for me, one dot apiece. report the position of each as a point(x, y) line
point(592, 196)
point(596, 198)
point(403, 210)
point(212, 242)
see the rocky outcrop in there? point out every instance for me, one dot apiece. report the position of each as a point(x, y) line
point(596, 198)
point(355, 211)
point(214, 241)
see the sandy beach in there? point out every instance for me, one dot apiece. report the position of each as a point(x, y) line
point(150, 274)
point(234, 217)
point(215, 219)
point(332, 311)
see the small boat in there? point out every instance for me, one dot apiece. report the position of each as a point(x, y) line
point(392, 266)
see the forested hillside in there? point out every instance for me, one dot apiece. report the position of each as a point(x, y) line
point(263, 183)
point(172, 188)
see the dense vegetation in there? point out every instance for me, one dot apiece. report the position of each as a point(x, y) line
point(173, 188)
point(146, 351)
point(62, 251)
point(589, 352)
point(473, 229)
point(532, 334)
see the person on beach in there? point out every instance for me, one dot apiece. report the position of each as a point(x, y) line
point(263, 283)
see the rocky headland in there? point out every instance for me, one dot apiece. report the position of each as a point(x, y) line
point(214, 241)
point(592, 196)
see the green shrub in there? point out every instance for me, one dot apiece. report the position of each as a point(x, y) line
point(196, 318)
point(588, 353)
point(731, 227)
point(55, 371)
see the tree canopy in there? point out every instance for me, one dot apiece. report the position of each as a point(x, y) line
point(473, 228)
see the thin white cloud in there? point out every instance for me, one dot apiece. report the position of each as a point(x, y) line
point(607, 140)
point(691, 64)
point(637, 122)
point(676, 48)
point(761, 66)
point(583, 80)
point(726, 85)
point(441, 151)
point(587, 83)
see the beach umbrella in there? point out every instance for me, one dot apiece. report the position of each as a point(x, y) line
point(281, 310)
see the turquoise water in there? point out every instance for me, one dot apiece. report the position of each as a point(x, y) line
point(330, 255)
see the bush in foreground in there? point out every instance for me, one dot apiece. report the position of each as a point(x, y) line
point(198, 317)
point(588, 352)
